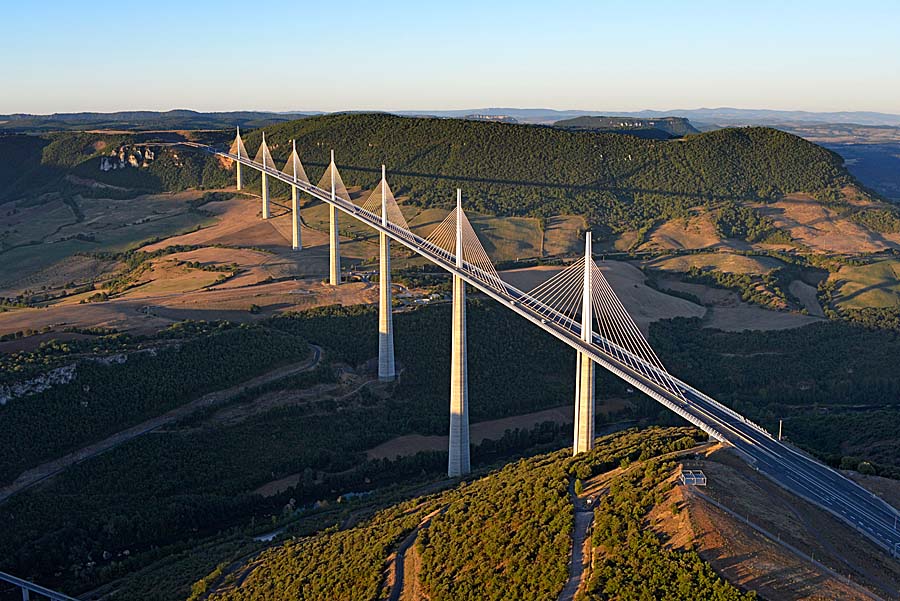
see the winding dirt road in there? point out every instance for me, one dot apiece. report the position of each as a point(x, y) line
point(584, 517)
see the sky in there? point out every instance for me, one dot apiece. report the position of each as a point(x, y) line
point(66, 56)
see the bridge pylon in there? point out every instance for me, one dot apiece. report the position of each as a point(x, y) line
point(386, 368)
point(238, 144)
point(334, 242)
point(294, 169)
point(584, 368)
point(459, 461)
point(265, 181)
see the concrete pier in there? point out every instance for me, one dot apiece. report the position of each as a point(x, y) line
point(334, 246)
point(584, 404)
point(584, 369)
point(386, 369)
point(237, 165)
point(296, 242)
point(459, 462)
point(265, 196)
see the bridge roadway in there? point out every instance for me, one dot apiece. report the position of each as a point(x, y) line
point(786, 466)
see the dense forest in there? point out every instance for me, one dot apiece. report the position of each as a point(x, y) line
point(503, 536)
point(199, 476)
point(107, 394)
point(618, 182)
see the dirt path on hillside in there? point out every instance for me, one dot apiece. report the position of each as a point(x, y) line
point(398, 563)
point(49, 469)
point(581, 546)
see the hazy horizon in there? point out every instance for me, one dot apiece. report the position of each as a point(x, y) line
point(598, 111)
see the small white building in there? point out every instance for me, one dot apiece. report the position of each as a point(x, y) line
point(692, 478)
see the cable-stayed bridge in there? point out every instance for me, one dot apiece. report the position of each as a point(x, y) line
point(578, 307)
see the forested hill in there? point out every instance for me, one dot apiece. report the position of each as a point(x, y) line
point(505, 169)
point(503, 536)
point(621, 182)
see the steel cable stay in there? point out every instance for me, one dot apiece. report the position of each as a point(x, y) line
point(332, 178)
point(376, 200)
point(264, 157)
point(293, 168)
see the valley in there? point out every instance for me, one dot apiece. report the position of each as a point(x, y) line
point(751, 288)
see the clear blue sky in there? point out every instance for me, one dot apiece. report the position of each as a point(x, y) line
point(60, 56)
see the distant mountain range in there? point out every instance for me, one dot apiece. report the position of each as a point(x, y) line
point(702, 118)
point(143, 120)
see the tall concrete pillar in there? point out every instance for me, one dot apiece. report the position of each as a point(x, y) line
point(265, 195)
point(584, 369)
point(334, 263)
point(296, 243)
point(237, 164)
point(459, 462)
point(386, 369)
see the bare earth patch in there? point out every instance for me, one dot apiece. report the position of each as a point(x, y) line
point(152, 313)
point(726, 311)
point(270, 489)
point(750, 317)
point(693, 233)
point(746, 557)
point(873, 285)
point(493, 430)
point(726, 262)
point(562, 235)
point(821, 228)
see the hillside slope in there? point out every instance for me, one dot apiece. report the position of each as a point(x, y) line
point(618, 181)
point(503, 536)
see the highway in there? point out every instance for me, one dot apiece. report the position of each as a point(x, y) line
point(786, 466)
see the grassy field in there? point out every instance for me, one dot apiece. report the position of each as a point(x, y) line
point(696, 232)
point(725, 262)
point(824, 229)
point(875, 285)
point(51, 234)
